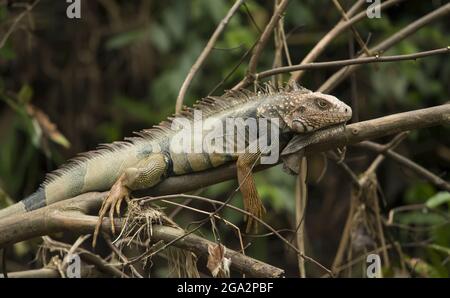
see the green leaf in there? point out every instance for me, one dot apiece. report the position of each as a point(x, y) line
point(420, 218)
point(25, 94)
point(7, 54)
point(419, 192)
point(438, 199)
point(160, 38)
point(175, 20)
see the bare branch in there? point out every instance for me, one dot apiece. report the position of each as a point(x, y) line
point(88, 257)
point(68, 216)
point(16, 22)
point(386, 44)
point(354, 31)
point(362, 182)
point(406, 162)
point(261, 44)
point(46, 272)
point(205, 53)
point(260, 221)
point(339, 28)
point(363, 60)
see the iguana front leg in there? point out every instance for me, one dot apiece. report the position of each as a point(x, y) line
point(252, 202)
point(146, 174)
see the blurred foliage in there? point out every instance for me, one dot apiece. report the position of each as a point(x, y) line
point(119, 69)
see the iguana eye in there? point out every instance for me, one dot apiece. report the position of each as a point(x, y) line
point(322, 103)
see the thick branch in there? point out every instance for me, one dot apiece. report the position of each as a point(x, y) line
point(87, 271)
point(68, 216)
point(35, 273)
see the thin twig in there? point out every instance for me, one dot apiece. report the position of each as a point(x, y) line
point(340, 162)
point(121, 256)
point(353, 84)
point(377, 161)
point(261, 44)
point(354, 31)
point(88, 257)
point(209, 46)
point(181, 206)
point(301, 197)
point(260, 221)
point(421, 171)
point(356, 193)
point(340, 75)
point(16, 22)
point(346, 62)
point(339, 28)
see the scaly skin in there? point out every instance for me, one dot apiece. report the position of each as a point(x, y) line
point(135, 163)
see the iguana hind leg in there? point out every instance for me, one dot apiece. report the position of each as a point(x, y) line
point(146, 174)
point(252, 203)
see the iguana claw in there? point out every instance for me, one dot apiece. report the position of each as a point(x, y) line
point(112, 202)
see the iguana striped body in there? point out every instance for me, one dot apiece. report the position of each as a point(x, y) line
point(134, 164)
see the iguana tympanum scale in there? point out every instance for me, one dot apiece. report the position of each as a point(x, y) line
point(133, 164)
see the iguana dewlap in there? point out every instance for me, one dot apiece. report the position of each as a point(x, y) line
point(145, 160)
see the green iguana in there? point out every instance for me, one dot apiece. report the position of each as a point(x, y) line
point(145, 160)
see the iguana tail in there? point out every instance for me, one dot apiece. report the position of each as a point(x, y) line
point(94, 171)
point(34, 201)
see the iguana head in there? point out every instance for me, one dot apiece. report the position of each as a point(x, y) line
point(305, 111)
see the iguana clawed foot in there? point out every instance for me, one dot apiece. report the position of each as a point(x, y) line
point(112, 202)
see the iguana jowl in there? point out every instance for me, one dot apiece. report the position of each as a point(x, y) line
point(131, 164)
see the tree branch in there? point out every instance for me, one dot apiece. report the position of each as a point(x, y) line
point(209, 46)
point(46, 272)
point(386, 44)
point(362, 60)
point(16, 22)
point(339, 28)
point(406, 162)
point(261, 44)
point(69, 215)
